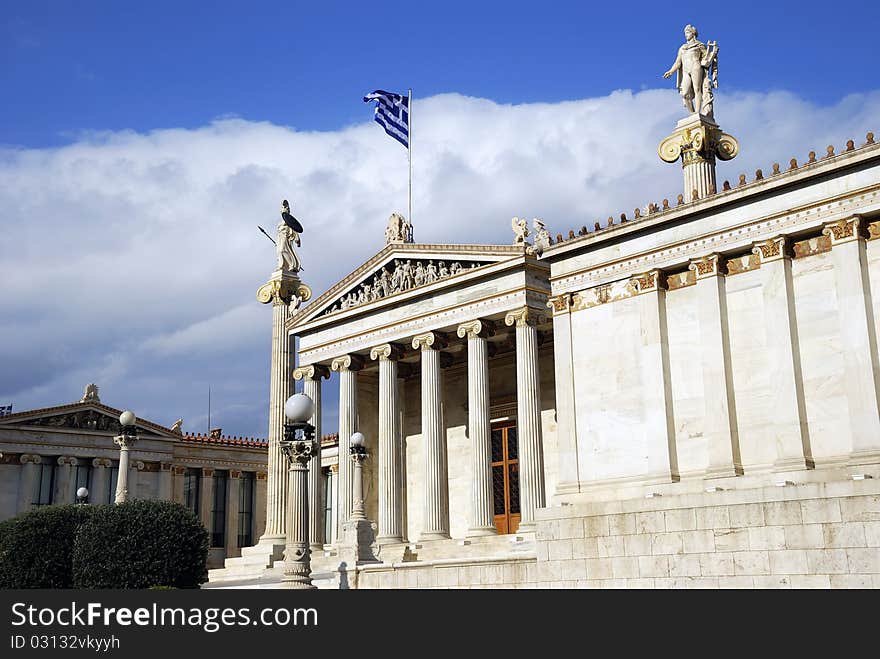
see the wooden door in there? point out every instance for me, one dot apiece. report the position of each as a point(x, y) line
point(505, 477)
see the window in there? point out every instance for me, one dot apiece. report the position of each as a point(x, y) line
point(82, 476)
point(45, 482)
point(328, 505)
point(192, 481)
point(112, 481)
point(218, 512)
point(246, 510)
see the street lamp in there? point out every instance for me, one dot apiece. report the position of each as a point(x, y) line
point(299, 447)
point(358, 455)
point(125, 440)
point(82, 495)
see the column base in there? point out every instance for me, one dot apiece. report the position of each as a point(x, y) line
point(391, 540)
point(482, 531)
point(864, 457)
point(297, 583)
point(726, 471)
point(433, 535)
point(793, 464)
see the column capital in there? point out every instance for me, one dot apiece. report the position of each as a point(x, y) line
point(772, 249)
point(844, 231)
point(429, 341)
point(560, 303)
point(234, 473)
point(102, 462)
point(522, 317)
point(387, 351)
point(179, 470)
point(138, 465)
point(208, 472)
point(28, 458)
point(311, 372)
point(647, 282)
point(711, 265)
point(163, 466)
point(476, 328)
point(281, 290)
point(334, 468)
point(347, 363)
point(66, 460)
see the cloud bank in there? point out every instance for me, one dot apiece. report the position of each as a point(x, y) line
point(131, 260)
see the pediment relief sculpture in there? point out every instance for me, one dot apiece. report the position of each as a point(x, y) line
point(81, 420)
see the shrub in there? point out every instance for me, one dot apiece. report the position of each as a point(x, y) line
point(141, 544)
point(36, 548)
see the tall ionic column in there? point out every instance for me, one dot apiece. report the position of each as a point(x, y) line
point(436, 521)
point(98, 493)
point(858, 336)
point(790, 430)
point(28, 482)
point(311, 376)
point(390, 468)
point(63, 472)
point(482, 517)
point(720, 427)
point(528, 410)
point(347, 366)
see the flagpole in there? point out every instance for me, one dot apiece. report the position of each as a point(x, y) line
point(409, 158)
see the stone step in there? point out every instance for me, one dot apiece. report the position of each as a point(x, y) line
point(264, 560)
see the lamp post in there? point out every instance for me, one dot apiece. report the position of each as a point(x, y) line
point(125, 440)
point(82, 495)
point(299, 447)
point(358, 455)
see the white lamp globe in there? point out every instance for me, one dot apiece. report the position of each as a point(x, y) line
point(358, 439)
point(127, 418)
point(299, 408)
point(82, 493)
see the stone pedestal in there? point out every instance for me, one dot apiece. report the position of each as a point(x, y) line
point(297, 562)
point(698, 141)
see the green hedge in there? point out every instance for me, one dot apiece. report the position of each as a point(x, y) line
point(36, 548)
point(141, 544)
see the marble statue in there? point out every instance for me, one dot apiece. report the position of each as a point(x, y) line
point(90, 394)
point(288, 236)
point(399, 230)
point(520, 230)
point(542, 236)
point(696, 69)
point(176, 426)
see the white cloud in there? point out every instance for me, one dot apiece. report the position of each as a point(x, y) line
point(132, 259)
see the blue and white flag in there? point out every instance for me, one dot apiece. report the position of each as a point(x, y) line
point(5, 410)
point(392, 113)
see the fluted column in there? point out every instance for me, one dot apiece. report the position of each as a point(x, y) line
point(528, 410)
point(297, 563)
point(390, 468)
point(311, 376)
point(28, 482)
point(279, 391)
point(100, 474)
point(347, 366)
point(789, 426)
point(65, 463)
point(719, 423)
point(436, 520)
point(482, 513)
point(858, 336)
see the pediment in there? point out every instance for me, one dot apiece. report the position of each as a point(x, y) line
point(88, 416)
point(399, 269)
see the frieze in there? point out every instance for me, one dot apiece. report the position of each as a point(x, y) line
point(81, 420)
point(406, 275)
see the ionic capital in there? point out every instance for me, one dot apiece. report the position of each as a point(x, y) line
point(774, 249)
point(429, 341)
point(647, 282)
point(476, 328)
point(844, 231)
point(523, 317)
point(311, 372)
point(234, 473)
point(179, 470)
point(707, 266)
point(560, 303)
point(208, 472)
point(66, 460)
point(165, 466)
point(347, 363)
point(138, 465)
point(386, 351)
point(28, 458)
point(280, 292)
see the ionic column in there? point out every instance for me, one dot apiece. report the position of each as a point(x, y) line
point(436, 520)
point(390, 468)
point(280, 387)
point(858, 336)
point(28, 482)
point(166, 482)
point(207, 501)
point(347, 366)
point(61, 494)
point(720, 428)
point(482, 517)
point(790, 430)
point(100, 474)
point(232, 495)
point(311, 376)
point(528, 410)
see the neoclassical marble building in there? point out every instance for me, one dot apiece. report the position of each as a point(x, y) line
point(47, 454)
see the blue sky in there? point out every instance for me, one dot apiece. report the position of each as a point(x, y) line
point(140, 144)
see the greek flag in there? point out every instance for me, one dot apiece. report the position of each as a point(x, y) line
point(392, 113)
point(5, 409)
